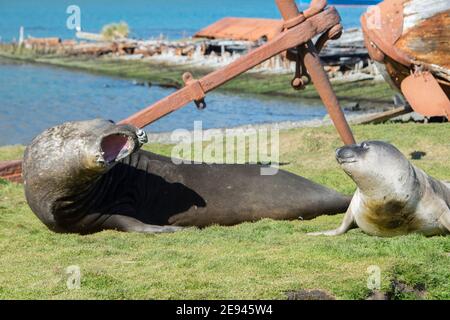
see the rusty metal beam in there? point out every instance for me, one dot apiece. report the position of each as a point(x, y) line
point(325, 90)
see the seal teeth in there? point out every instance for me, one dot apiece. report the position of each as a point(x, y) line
point(100, 158)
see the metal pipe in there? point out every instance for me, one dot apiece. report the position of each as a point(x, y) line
point(326, 93)
point(287, 8)
point(312, 62)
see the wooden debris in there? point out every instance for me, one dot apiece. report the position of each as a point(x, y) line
point(11, 170)
point(43, 41)
point(340, 56)
point(383, 116)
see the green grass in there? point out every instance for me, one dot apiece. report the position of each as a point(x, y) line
point(368, 93)
point(251, 260)
point(11, 152)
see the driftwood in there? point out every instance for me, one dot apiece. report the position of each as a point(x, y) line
point(42, 41)
point(99, 48)
point(89, 36)
point(349, 49)
point(383, 116)
point(95, 49)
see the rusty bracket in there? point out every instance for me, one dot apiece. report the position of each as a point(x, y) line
point(294, 21)
point(302, 78)
point(298, 33)
point(196, 92)
point(333, 33)
point(315, 7)
point(314, 66)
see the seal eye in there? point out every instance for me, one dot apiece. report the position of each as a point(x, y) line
point(365, 145)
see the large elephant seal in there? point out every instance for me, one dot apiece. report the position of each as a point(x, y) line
point(89, 176)
point(393, 196)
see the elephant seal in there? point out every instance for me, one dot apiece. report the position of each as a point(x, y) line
point(87, 176)
point(393, 196)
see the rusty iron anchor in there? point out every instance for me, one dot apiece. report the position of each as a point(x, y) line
point(299, 29)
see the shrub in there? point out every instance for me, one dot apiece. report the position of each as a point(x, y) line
point(115, 31)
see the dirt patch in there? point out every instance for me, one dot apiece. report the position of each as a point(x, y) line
point(377, 295)
point(309, 295)
point(400, 290)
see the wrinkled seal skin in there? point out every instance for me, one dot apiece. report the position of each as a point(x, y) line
point(393, 196)
point(88, 176)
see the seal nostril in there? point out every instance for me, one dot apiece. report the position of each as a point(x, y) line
point(345, 153)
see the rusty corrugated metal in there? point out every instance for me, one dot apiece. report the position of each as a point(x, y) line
point(248, 29)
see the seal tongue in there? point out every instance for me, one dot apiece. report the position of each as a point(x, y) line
point(116, 147)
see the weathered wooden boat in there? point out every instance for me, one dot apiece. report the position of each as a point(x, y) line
point(411, 38)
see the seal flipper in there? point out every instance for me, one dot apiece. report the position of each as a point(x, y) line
point(347, 224)
point(445, 219)
point(129, 224)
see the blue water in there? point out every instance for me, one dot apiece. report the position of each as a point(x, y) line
point(35, 97)
point(146, 18)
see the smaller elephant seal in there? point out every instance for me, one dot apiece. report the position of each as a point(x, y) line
point(87, 176)
point(393, 196)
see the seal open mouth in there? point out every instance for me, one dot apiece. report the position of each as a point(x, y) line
point(349, 160)
point(115, 147)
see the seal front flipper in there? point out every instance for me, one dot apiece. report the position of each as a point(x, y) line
point(129, 224)
point(445, 219)
point(347, 224)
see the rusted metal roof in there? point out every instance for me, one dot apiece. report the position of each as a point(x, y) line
point(249, 29)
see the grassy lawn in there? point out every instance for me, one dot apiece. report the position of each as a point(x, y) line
point(258, 260)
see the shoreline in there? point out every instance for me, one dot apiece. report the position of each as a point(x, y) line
point(207, 134)
point(354, 119)
point(165, 136)
point(366, 94)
